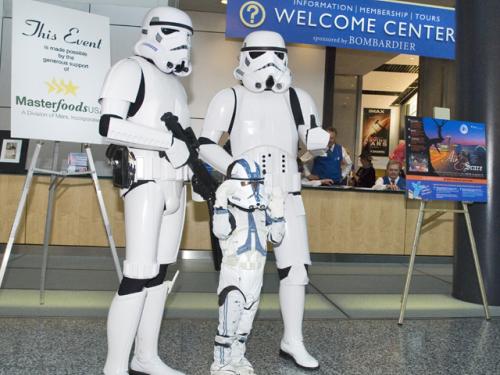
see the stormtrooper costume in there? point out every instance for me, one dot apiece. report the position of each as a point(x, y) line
point(244, 219)
point(137, 91)
point(265, 119)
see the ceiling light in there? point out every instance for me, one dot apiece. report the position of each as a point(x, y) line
point(223, 1)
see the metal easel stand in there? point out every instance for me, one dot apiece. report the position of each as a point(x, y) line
point(56, 177)
point(420, 223)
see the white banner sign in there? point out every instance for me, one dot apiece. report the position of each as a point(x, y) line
point(60, 57)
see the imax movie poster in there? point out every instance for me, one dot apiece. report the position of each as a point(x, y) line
point(376, 129)
point(446, 160)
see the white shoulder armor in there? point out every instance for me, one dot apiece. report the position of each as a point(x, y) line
point(220, 111)
point(217, 121)
point(122, 81)
point(308, 107)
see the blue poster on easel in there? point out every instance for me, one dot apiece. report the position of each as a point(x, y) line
point(446, 160)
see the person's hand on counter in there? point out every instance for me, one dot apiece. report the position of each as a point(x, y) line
point(392, 186)
point(327, 182)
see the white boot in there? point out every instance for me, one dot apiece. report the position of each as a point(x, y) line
point(146, 359)
point(222, 364)
point(292, 299)
point(219, 369)
point(123, 320)
point(238, 359)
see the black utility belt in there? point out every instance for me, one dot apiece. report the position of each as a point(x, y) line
point(123, 164)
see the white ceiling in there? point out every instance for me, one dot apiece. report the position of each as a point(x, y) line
point(357, 62)
point(404, 60)
point(388, 81)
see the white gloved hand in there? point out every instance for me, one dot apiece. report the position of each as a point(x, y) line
point(277, 232)
point(224, 191)
point(277, 204)
point(317, 140)
point(221, 225)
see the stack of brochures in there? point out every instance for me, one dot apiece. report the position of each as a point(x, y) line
point(77, 162)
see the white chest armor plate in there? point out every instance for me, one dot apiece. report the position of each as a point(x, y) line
point(246, 247)
point(265, 130)
point(163, 93)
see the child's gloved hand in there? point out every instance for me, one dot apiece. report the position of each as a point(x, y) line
point(221, 225)
point(224, 191)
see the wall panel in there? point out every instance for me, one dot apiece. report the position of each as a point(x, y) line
point(338, 221)
point(437, 236)
point(10, 192)
point(353, 222)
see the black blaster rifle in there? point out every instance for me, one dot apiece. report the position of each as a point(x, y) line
point(203, 183)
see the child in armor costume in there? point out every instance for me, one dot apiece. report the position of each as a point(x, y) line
point(244, 219)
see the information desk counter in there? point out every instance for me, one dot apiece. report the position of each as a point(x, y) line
point(348, 221)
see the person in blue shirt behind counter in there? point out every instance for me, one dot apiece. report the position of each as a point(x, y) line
point(392, 179)
point(335, 165)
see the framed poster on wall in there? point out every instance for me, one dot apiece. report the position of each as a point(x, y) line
point(376, 130)
point(13, 153)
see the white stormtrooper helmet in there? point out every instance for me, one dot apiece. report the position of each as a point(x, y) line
point(264, 63)
point(247, 182)
point(166, 40)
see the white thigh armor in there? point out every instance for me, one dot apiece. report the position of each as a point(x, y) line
point(154, 217)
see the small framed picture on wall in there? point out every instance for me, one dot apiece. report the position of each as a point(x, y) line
point(13, 152)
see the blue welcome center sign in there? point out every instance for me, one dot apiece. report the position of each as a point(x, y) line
point(380, 25)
